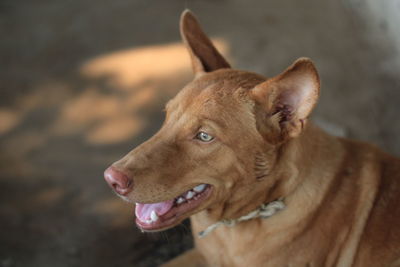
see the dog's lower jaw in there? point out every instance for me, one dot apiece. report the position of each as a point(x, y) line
point(176, 213)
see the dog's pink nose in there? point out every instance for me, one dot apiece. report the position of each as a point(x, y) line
point(118, 181)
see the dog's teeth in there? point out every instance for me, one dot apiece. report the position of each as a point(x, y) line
point(199, 188)
point(190, 194)
point(180, 200)
point(153, 216)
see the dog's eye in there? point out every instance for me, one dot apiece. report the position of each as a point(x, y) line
point(204, 137)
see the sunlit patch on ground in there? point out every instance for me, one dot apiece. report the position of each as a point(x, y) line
point(127, 84)
point(136, 66)
point(8, 120)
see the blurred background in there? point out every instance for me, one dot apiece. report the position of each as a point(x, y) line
point(83, 82)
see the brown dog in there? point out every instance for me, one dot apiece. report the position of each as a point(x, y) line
point(237, 154)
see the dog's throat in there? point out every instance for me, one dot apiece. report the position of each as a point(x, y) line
point(264, 211)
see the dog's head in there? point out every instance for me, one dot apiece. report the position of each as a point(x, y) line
point(221, 139)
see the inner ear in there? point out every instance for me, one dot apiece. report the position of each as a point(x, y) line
point(297, 89)
point(289, 98)
point(204, 56)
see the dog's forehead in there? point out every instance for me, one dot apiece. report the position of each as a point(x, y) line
point(214, 88)
point(227, 81)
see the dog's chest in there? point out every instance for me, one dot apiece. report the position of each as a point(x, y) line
point(251, 244)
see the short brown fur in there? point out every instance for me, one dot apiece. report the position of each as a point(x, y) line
point(341, 196)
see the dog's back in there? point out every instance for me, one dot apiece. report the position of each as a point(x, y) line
point(380, 239)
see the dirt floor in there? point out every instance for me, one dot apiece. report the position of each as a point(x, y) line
point(83, 82)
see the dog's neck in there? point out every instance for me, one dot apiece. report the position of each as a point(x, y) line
point(298, 179)
point(264, 211)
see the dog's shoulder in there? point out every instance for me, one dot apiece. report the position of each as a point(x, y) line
point(379, 175)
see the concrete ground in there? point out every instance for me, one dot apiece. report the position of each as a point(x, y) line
point(83, 82)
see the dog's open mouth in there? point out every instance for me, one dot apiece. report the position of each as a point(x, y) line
point(162, 215)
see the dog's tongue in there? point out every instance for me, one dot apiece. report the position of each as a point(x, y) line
point(143, 211)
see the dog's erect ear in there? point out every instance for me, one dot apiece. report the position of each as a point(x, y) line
point(289, 98)
point(205, 57)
